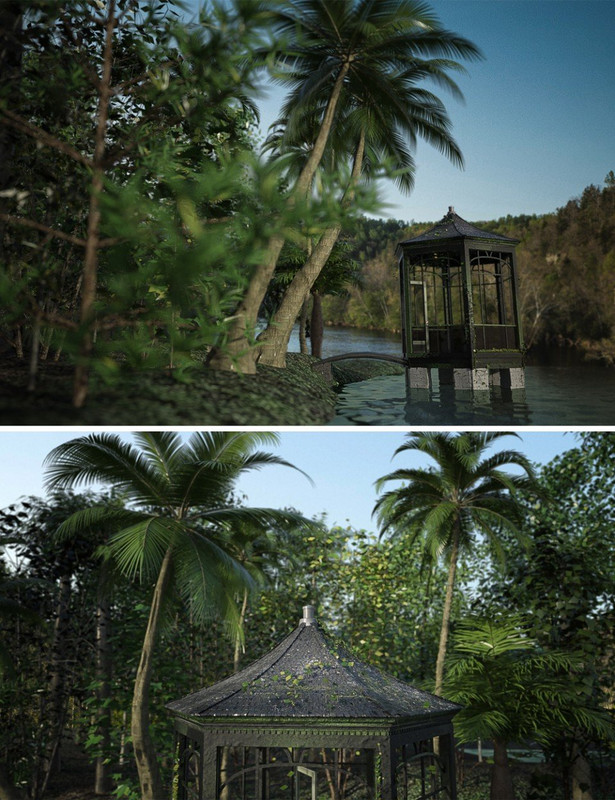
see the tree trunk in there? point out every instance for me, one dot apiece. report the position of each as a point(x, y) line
point(303, 318)
point(90, 263)
point(580, 772)
point(274, 340)
point(34, 353)
point(57, 690)
point(102, 781)
point(501, 776)
point(446, 614)
point(242, 619)
point(235, 354)
point(316, 325)
point(145, 753)
point(224, 759)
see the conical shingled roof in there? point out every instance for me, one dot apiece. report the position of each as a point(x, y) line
point(309, 675)
point(452, 226)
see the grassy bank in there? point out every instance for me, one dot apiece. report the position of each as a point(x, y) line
point(297, 395)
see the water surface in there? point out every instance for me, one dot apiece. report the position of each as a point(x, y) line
point(560, 390)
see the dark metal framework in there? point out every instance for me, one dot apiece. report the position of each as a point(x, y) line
point(336, 727)
point(459, 297)
point(305, 763)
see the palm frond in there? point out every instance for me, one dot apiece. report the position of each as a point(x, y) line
point(105, 458)
point(98, 518)
point(163, 449)
point(140, 548)
point(209, 578)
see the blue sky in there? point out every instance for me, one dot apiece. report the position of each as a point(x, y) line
point(342, 464)
point(538, 122)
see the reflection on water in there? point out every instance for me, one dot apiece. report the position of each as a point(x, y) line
point(552, 396)
point(560, 390)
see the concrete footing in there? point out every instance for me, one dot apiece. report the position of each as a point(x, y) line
point(478, 380)
point(419, 377)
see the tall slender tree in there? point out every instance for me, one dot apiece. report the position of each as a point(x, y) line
point(334, 52)
point(378, 127)
point(169, 533)
point(447, 507)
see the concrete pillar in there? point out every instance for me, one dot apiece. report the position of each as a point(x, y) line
point(515, 377)
point(473, 379)
point(418, 377)
point(509, 378)
point(495, 378)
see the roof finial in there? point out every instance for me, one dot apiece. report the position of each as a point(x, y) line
point(451, 209)
point(309, 615)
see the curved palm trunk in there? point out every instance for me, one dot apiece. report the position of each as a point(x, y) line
point(145, 753)
point(446, 614)
point(303, 318)
point(501, 776)
point(317, 325)
point(236, 355)
point(274, 339)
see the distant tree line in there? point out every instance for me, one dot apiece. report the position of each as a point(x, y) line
point(566, 263)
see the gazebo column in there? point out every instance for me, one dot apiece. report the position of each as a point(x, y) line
point(209, 772)
point(388, 768)
point(449, 768)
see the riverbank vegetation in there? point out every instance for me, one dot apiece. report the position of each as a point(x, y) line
point(77, 597)
point(141, 223)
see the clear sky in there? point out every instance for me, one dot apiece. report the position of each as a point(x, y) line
point(538, 123)
point(342, 464)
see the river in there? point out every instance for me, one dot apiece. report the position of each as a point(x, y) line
point(560, 390)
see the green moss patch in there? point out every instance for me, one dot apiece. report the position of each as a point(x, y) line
point(297, 395)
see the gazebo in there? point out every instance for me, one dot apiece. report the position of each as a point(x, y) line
point(308, 721)
point(460, 307)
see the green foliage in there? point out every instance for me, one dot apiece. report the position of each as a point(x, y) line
point(395, 629)
point(547, 668)
point(511, 690)
point(186, 208)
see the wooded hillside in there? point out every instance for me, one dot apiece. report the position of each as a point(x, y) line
point(566, 267)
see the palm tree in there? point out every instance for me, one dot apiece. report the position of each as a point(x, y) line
point(170, 531)
point(377, 128)
point(447, 507)
point(331, 53)
point(511, 691)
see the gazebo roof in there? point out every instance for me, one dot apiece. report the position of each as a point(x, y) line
point(310, 675)
point(452, 226)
